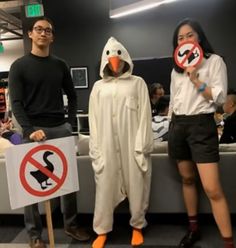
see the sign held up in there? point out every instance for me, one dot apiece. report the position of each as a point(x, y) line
point(42, 171)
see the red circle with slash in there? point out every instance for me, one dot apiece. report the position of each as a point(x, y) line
point(29, 160)
point(188, 54)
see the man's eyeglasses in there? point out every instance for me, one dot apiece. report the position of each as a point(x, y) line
point(39, 30)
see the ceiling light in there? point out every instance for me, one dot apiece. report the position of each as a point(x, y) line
point(137, 7)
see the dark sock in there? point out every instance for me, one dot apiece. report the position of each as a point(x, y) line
point(193, 223)
point(228, 242)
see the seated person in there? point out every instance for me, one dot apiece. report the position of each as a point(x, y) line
point(156, 91)
point(160, 122)
point(7, 132)
point(229, 130)
point(219, 117)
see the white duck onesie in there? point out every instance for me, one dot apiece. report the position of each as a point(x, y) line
point(121, 141)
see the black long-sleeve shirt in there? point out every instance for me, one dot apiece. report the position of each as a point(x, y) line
point(36, 86)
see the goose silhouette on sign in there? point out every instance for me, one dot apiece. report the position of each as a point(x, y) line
point(191, 57)
point(39, 175)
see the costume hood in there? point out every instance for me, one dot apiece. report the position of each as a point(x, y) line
point(113, 48)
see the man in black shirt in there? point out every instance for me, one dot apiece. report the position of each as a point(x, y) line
point(36, 85)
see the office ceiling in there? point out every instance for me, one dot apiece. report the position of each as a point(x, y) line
point(10, 16)
point(120, 3)
point(10, 22)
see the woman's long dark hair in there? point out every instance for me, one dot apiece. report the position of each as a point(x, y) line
point(203, 41)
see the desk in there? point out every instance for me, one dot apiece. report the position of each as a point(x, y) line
point(82, 125)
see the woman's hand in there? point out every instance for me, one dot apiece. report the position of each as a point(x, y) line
point(193, 74)
point(6, 125)
point(191, 71)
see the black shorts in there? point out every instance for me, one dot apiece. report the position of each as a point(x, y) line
point(194, 138)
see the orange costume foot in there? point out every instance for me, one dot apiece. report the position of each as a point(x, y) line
point(137, 237)
point(99, 242)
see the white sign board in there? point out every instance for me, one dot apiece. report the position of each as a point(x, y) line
point(40, 171)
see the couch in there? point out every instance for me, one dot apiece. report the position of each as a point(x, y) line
point(166, 190)
point(166, 193)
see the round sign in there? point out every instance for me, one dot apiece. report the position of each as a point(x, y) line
point(43, 173)
point(188, 54)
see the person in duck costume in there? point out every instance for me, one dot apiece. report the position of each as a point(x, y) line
point(121, 141)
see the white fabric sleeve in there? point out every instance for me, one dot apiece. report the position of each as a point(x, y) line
point(144, 137)
point(94, 151)
point(172, 93)
point(218, 80)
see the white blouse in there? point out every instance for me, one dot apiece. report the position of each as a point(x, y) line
point(184, 96)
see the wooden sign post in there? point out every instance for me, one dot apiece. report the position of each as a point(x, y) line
point(49, 224)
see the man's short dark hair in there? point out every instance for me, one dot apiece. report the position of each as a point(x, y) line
point(153, 87)
point(162, 104)
point(232, 94)
point(42, 18)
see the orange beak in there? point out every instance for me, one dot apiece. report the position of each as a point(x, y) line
point(114, 62)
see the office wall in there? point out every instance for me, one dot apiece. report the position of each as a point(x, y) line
point(83, 27)
point(13, 49)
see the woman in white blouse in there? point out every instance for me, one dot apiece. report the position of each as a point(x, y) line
point(193, 140)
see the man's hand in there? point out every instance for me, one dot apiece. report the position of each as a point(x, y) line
point(38, 135)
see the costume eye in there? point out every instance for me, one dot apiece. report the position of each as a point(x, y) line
point(107, 52)
point(119, 52)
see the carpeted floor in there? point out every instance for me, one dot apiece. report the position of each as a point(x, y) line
point(89, 246)
point(156, 236)
point(161, 233)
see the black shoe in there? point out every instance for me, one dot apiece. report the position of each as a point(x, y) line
point(189, 239)
point(77, 233)
point(37, 243)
